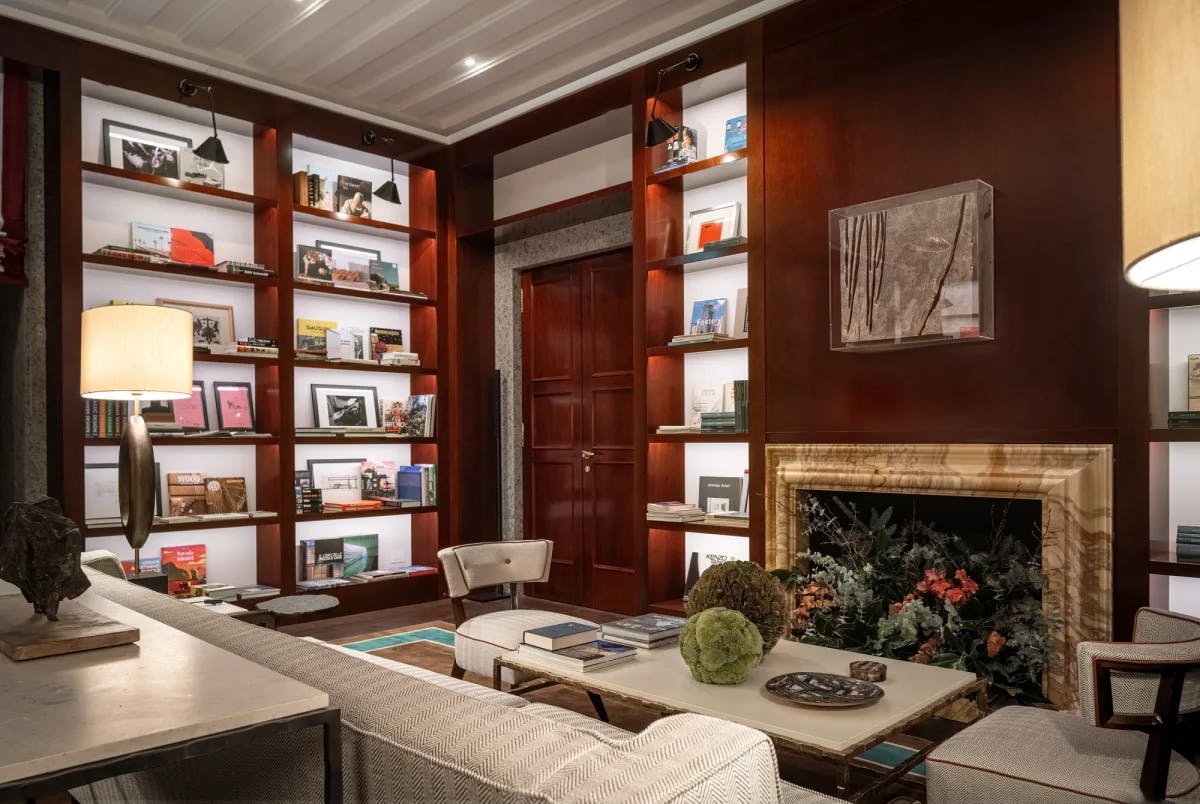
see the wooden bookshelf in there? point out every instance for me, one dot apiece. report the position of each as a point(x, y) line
point(94, 173)
point(91, 531)
point(196, 272)
point(243, 358)
point(191, 441)
point(705, 260)
point(695, 348)
point(700, 527)
point(369, 295)
point(322, 517)
point(351, 223)
point(674, 607)
point(356, 366)
point(715, 169)
point(699, 438)
point(374, 439)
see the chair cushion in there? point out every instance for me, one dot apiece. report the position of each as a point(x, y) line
point(481, 639)
point(1026, 755)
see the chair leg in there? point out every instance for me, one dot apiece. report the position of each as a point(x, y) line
point(598, 703)
point(456, 671)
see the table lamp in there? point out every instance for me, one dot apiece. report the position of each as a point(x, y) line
point(131, 353)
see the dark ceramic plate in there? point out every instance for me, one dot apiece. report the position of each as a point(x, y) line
point(824, 689)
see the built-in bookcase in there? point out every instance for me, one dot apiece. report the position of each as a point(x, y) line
point(253, 218)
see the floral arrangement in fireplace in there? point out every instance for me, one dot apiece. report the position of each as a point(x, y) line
point(908, 591)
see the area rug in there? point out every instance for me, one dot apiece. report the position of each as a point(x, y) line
point(431, 646)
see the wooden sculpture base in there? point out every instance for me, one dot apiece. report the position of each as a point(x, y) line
point(27, 635)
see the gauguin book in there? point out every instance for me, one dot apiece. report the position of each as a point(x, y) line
point(185, 566)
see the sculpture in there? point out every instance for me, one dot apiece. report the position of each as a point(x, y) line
point(747, 588)
point(720, 646)
point(39, 553)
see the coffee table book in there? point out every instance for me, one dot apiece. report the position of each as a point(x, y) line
point(585, 657)
point(644, 631)
point(561, 635)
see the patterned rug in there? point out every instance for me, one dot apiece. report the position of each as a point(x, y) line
point(431, 646)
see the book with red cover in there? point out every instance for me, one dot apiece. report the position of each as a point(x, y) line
point(185, 566)
point(191, 247)
point(710, 231)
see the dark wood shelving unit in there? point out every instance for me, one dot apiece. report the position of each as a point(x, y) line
point(1163, 562)
point(193, 441)
point(1175, 434)
point(1168, 301)
point(334, 439)
point(351, 366)
point(175, 527)
point(699, 438)
point(427, 509)
point(715, 169)
point(577, 204)
point(370, 295)
point(94, 173)
point(351, 223)
point(700, 527)
point(703, 260)
point(693, 348)
point(196, 272)
point(205, 357)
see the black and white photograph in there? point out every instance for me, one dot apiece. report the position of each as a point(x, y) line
point(212, 324)
point(198, 170)
point(345, 406)
point(913, 269)
point(143, 150)
point(338, 479)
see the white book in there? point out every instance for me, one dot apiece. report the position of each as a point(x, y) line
point(706, 399)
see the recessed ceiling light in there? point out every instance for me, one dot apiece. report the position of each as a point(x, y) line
point(469, 61)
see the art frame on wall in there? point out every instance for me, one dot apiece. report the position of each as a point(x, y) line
point(143, 150)
point(912, 270)
point(191, 415)
point(351, 264)
point(338, 479)
point(354, 407)
point(212, 324)
point(101, 497)
point(709, 225)
point(235, 406)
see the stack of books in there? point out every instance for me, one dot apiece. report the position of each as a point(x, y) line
point(646, 631)
point(706, 337)
point(1183, 418)
point(353, 505)
point(399, 359)
point(1187, 543)
point(674, 512)
point(668, 429)
point(730, 518)
point(248, 347)
point(238, 267)
point(718, 422)
point(573, 646)
point(130, 253)
point(251, 592)
point(741, 405)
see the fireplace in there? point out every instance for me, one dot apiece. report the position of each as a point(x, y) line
point(1070, 484)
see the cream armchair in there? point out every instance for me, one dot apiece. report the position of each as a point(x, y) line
point(1135, 700)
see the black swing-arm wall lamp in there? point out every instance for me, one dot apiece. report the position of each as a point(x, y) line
point(658, 130)
point(211, 149)
point(388, 190)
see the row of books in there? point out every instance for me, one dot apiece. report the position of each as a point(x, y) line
point(158, 244)
point(325, 563)
point(585, 647)
point(736, 420)
point(1183, 418)
point(325, 340)
point(103, 418)
point(371, 485)
point(672, 511)
point(347, 267)
point(251, 347)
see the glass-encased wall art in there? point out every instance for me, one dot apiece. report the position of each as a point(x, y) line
point(912, 270)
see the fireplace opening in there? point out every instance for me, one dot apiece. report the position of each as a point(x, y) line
point(954, 581)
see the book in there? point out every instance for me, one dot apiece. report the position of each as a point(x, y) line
point(720, 494)
point(706, 399)
point(310, 335)
point(186, 494)
point(225, 495)
point(353, 196)
point(151, 565)
point(385, 340)
point(319, 559)
point(383, 276)
point(588, 656)
point(344, 343)
point(561, 635)
point(420, 416)
point(151, 238)
point(682, 148)
point(314, 264)
point(741, 321)
point(248, 592)
point(669, 507)
point(692, 516)
point(185, 566)
point(413, 570)
point(735, 133)
point(645, 628)
point(1193, 382)
point(349, 505)
point(708, 317)
point(191, 247)
point(352, 275)
point(360, 554)
point(410, 485)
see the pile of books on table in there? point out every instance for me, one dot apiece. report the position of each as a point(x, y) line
point(645, 631)
point(1187, 543)
point(573, 646)
point(227, 593)
point(674, 512)
point(1183, 418)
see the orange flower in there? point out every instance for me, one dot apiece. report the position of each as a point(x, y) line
point(931, 575)
point(967, 583)
point(994, 643)
point(956, 595)
point(940, 588)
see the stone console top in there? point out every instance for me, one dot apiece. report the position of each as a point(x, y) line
point(169, 687)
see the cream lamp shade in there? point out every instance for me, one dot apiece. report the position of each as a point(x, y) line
point(136, 351)
point(1160, 142)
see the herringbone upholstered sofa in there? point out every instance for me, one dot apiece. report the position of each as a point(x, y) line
point(414, 736)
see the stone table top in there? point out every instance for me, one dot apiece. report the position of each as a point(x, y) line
point(294, 605)
point(169, 687)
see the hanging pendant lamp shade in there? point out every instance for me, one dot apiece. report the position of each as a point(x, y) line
point(1160, 142)
point(211, 149)
point(659, 131)
point(388, 190)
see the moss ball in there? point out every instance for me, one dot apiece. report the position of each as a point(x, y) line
point(720, 646)
point(747, 588)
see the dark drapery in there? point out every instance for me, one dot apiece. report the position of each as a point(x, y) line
point(15, 149)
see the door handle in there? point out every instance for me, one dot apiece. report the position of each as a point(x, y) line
point(587, 454)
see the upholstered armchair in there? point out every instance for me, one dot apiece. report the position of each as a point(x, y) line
point(1136, 699)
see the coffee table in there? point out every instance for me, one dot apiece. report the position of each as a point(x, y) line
point(659, 680)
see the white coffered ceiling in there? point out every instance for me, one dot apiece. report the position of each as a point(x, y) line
point(402, 61)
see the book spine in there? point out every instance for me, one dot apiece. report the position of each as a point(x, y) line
point(300, 187)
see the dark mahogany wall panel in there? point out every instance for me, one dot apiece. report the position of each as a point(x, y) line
point(1020, 94)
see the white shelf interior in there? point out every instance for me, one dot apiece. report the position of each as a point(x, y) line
point(711, 369)
point(708, 117)
point(349, 311)
point(387, 385)
point(710, 544)
point(330, 161)
point(101, 286)
point(587, 170)
point(231, 553)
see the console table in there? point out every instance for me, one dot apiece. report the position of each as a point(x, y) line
point(73, 719)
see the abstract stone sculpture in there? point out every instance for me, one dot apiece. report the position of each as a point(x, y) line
point(39, 553)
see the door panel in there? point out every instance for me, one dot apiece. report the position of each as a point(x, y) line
point(612, 418)
point(553, 514)
point(553, 421)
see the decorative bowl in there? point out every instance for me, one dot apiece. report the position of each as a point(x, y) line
point(824, 689)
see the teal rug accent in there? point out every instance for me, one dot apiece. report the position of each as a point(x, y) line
point(891, 755)
point(439, 635)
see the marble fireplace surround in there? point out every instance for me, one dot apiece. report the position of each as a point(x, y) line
point(1073, 482)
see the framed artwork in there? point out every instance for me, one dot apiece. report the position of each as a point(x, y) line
point(708, 225)
point(314, 264)
point(191, 415)
point(345, 406)
point(339, 479)
point(101, 500)
point(235, 406)
point(198, 170)
point(212, 324)
point(351, 264)
point(912, 270)
point(143, 150)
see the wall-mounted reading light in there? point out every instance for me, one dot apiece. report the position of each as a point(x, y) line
point(211, 149)
point(387, 191)
point(658, 130)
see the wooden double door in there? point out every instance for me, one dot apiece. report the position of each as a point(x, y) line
point(579, 446)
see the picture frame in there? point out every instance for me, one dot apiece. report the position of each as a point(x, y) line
point(191, 415)
point(338, 479)
point(355, 407)
point(235, 406)
point(714, 223)
point(212, 324)
point(101, 495)
point(198, 170)
point(143, 150)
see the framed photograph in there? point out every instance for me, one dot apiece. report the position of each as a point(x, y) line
point(314, 264)
point(351, 264)
point(345, 406)
point(191, 415)
point(101, 500)
point(338, 479)
point(715, 223)
point(198, 170)
point(212, 324)
point(353, 196)
point(143, 150)
point(235, 406)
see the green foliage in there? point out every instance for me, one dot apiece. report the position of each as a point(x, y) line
point(910, 592)
point(721, 646)
point(745, 587)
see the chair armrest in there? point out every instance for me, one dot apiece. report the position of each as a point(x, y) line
point(103, 561)
point(1135, 685)
point(1155, 625)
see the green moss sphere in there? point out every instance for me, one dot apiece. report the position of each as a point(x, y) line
point(745, 587)
point(720, 646)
